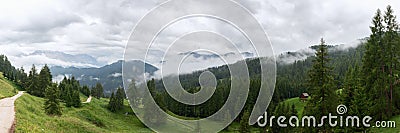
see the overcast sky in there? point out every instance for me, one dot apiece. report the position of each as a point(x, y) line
point(100, 28)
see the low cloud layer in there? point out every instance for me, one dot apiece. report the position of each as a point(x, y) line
point(101, 28)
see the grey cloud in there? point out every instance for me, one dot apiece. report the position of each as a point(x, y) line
point(294, 25)
point(79, 58)
point(49, 20)
point(10, 36)
point(101, 28)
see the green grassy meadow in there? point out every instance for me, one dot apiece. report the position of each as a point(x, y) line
point(298, 103)
point(91, 117)
point(6, 87)
point(94, 117)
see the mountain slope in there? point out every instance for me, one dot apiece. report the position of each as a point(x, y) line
point(291, 77)
point(297, 103)
point(92, 117)
point(6, 88)
point(292, 70)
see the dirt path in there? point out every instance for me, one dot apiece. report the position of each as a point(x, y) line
point(7, 112)
point(88, 100)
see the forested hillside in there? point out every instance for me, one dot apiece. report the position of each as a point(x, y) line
point(18, 75)
point(364, 78)
point(291, 78)
point(291, 82)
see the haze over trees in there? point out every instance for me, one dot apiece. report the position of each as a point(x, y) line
point(365, 79)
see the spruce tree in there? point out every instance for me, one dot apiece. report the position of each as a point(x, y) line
point(133, 97)
point(120, 96)
point(391, 40)
point(380, 64)
point(44, 81)
point(63, 89)
point(282, 109)
point(112, 103)
point(23, 79)
point(244, 123)
point(70, 92)
point(75, 92)
point(359, 104)
point(353, 97)
point(322, 88)
point(69, 96)
point(347, 95)
point(293, 110)
point(150, 115)
point(372, 62)
point(93, 91)
point(52, 104)
point(33, 81)
point(76, 99)
point(227, 118)
point(85, 90)
point(98, 91)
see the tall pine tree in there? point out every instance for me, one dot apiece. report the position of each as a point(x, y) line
point(150, 115)
point(116, 101)
point(244, 123)
point(380, 64)
point(322, 88)
point(44, 81)
point(97, 91)
point(112, 103)
point(33, 81)
point(120, 96)
point(52, 104)
point(391, 40)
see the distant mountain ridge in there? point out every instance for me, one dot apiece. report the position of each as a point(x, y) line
point(64, 56)
point(110, 76)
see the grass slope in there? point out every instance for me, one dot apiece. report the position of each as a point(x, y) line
point(233, 127)
point(92, 117)
point(6, 87)
point(299, 104)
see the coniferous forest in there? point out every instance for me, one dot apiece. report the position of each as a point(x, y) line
point(365, 78)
